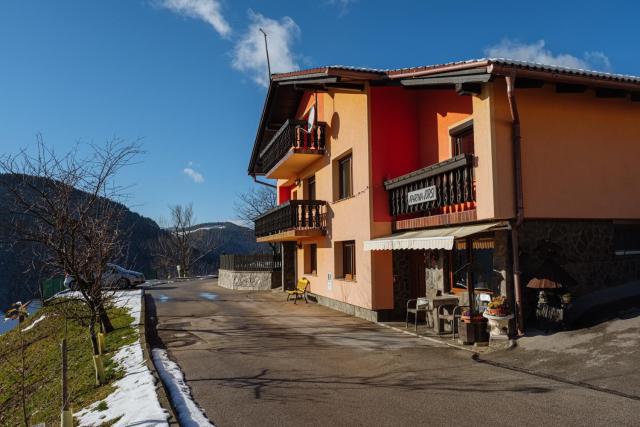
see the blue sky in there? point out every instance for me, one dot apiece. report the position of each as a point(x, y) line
point(187, 76)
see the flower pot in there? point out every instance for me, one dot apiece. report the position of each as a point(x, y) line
point(499, 312)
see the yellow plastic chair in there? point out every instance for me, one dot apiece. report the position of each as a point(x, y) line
point(300, 290)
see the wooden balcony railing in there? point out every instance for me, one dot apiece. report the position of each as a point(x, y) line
point(293, 135)
point(429, 190)
point(292, 215)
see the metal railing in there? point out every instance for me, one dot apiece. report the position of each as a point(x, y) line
point(292, 134)
point(253, 262)
point(451, 182)
point(292, 215)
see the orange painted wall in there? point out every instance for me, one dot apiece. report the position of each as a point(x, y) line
point(579, 153)
point(309, 100)
point(438, 110)
point(347, 118)
point(494, 155)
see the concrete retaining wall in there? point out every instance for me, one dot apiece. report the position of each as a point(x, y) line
point(249, 280)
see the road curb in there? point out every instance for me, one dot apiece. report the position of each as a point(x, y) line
point(163, 394)
point(476, 358)
point(430, 339)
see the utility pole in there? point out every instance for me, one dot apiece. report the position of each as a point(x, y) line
point(266, 48)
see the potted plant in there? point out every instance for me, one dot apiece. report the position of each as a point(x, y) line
point(498, 307)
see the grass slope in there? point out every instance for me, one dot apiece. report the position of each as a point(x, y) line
point(43, 365)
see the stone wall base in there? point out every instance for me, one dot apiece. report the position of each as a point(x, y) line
point(352, 310)
point(249, 280)
point(581, 253)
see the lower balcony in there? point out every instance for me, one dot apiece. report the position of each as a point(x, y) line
point(444, 187)
point(293, 220)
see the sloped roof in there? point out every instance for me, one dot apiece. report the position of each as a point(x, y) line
point(281, 101)
point(395, 73)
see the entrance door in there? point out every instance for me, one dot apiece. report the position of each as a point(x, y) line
point(417, 278)
point(409, 279)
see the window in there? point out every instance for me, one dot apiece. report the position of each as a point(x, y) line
point(484, 275)
point(311, 188)
point(349, 260)
point(313, 258)
point(626, 238)
point(345, 178)
point(462, 139)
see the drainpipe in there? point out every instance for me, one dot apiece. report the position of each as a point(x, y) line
point(515, 224)
point(262, 182)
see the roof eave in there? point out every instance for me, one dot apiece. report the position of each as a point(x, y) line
point(562, 76)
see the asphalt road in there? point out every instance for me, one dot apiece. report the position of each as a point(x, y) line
point(251, 359)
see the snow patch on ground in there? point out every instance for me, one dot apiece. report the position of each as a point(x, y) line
point(188, 412)
point(35, 322)
point(134, 398)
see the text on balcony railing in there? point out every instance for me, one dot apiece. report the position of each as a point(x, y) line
point(293, 134)
point(292, 215)
point(432, 188)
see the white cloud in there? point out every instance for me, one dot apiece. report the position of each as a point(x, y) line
point(194, 175)
point(536, 52)
point(249, 55)
point(206, 10)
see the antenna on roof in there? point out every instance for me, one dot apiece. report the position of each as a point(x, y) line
point(266, 48)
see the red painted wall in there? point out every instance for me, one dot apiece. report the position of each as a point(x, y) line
point(284, 194)
point(394, 141)
point(409, 130)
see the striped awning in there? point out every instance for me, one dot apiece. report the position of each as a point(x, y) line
point(436, 238)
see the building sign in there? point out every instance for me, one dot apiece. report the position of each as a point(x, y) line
point(427, 194)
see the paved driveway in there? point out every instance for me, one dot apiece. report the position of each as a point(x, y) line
point(253, 360)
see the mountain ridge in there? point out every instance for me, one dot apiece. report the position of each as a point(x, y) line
point(19, 280)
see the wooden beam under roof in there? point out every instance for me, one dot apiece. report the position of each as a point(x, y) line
point(570, 88)
point(525, 83)
point(356, 87)
point(438, 80)
point(466, 89)
point(610, 93)
point(322, 80)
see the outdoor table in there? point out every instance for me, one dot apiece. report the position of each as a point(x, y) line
point(442, 300)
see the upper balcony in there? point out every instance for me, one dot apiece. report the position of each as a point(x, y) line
point(292, 220)
point(292, 149)
point(444, 187)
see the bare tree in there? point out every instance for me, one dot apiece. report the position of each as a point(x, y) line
point(182, 244)
point(64, 205)
point(174, 247)
point(255, 202)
